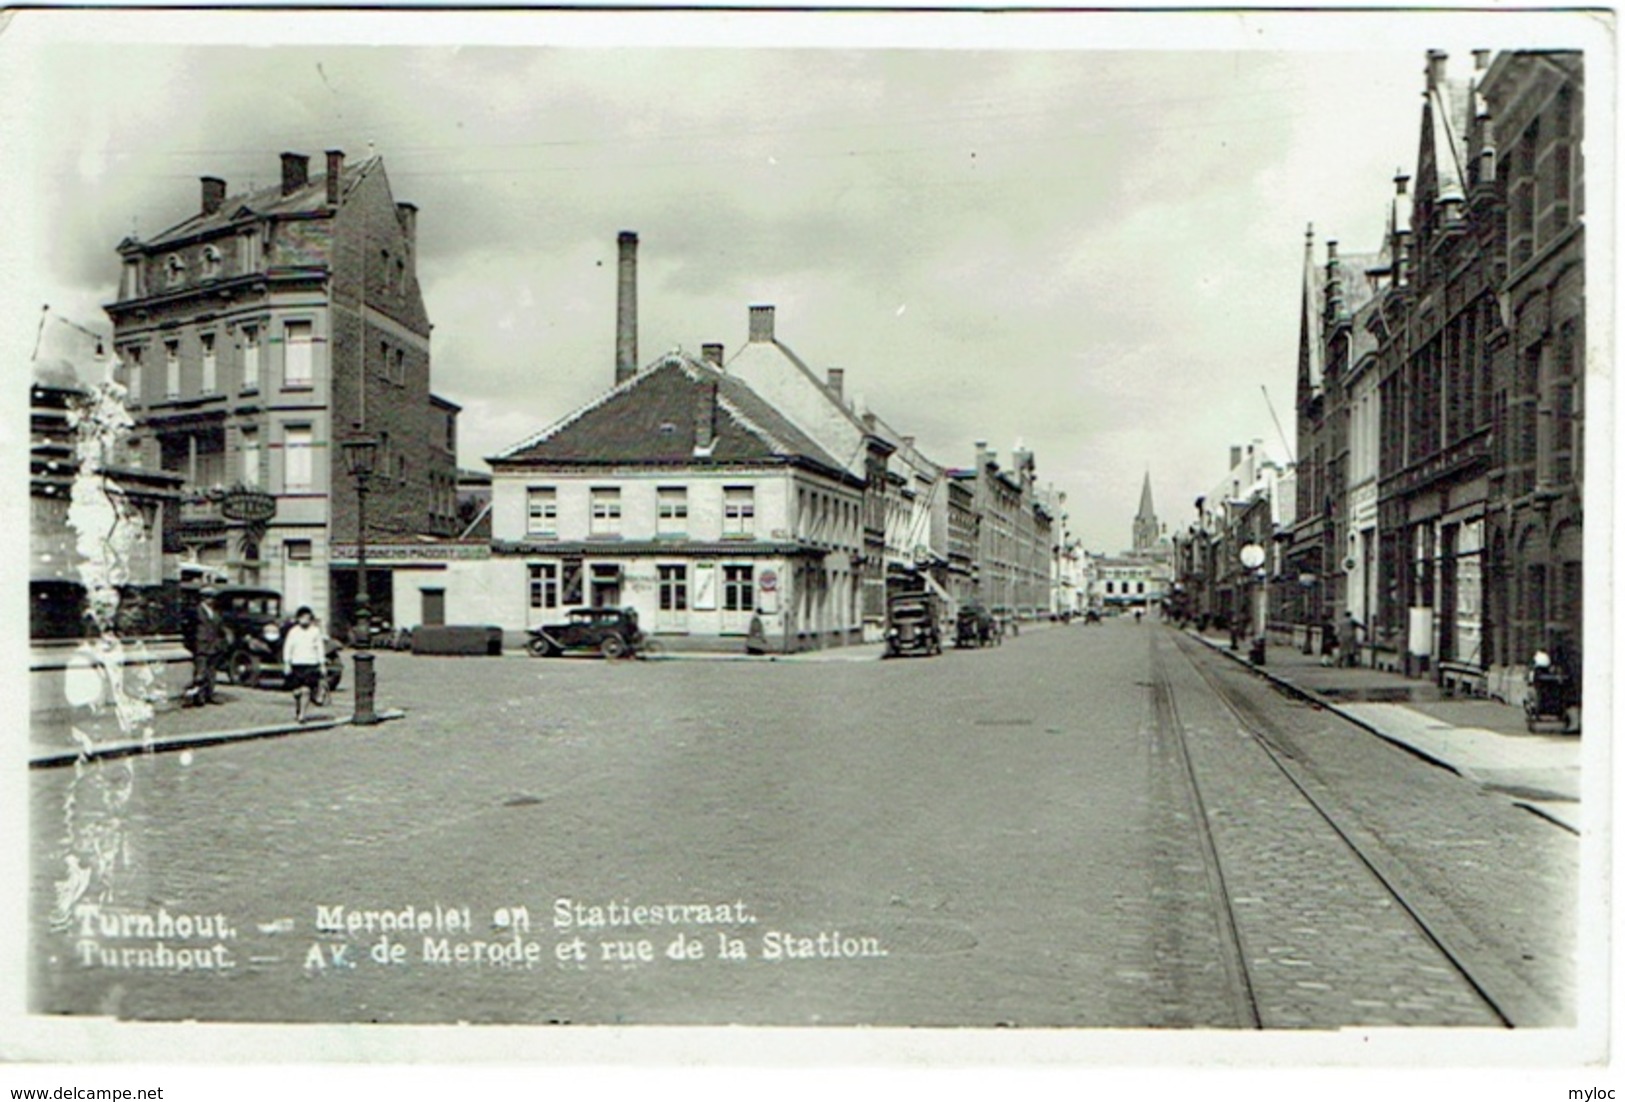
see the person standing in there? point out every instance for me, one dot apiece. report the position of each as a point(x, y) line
point(303, 653)
point(210, 640)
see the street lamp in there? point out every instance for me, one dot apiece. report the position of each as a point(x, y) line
point(360, 452)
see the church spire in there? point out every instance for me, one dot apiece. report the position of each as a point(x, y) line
point(1146, 529)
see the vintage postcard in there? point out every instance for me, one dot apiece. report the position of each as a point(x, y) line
point(1024, 537)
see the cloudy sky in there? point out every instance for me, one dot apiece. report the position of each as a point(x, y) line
point(1085, 234)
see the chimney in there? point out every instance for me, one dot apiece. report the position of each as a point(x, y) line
point(1436, 67)
point(214, 193)
point(837, 380)
point(869, 420)
point(761, 324)
point(1235, 456)
point(295, 172)
point(1481, 60)
point(705, 412)
point(335, 171)
point(407, 214)
point(711, 354)
point(908, 442)
point(626, 309)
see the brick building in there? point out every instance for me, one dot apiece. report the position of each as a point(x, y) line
point(259, 332)
point(1455, 387)
point(1015, 535)
point(1532, 165)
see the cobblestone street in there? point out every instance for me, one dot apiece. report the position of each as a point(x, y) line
point(989, 837)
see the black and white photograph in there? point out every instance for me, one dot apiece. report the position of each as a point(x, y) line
point(1046, 536)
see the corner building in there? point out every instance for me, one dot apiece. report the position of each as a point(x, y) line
point(258, 333)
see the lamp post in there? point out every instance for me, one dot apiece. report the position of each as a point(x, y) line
point(359, 454)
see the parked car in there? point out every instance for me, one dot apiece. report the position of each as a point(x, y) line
point(612, 632)
point(975, 626)
point(911, 625)
point(255, 627)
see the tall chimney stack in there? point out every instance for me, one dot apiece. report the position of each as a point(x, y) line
point(711, 354)
point(214, 193)
point(1235, 456)
point(295, 172)
point(1438, 60)
point(626, 309)
point(407, 215)
point(837, 380)
point(761, 324)
point(335, 171)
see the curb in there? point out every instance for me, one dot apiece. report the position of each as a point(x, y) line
point(106, 751)
point(1312, 697)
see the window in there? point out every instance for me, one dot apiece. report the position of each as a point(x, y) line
point(544, 585)
point(174, 270)
point(297, 550)
point(400, 276)
point(383, 360)
point(297, 368)
point(673, 588)
point(172, 369)
point(1108, 587)
point(388, 271)
point(248, 251)
point(132, 360)
point(542, 511)
point(399, 367)
point(208, 364)
point(250, 442)
point(297, 442)
point(738, 589)
point(672, 518)
point(606, 512)
point(738, 511)
point(211, 262)
point(251, 357)
point(1139, 587)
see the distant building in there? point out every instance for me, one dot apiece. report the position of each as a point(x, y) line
point(255, 336)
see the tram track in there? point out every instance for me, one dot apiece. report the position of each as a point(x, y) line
point(1506, 997)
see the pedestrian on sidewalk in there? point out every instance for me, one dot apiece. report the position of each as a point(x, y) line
point(210, 641)
point(1349, 655)
point(303, 653)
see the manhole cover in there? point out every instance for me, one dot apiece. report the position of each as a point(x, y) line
point(922, 938)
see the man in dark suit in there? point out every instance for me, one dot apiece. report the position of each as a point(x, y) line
point(210, 641)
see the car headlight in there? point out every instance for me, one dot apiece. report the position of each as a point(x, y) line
point(271, 633)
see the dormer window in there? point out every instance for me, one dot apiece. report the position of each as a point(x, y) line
point(211, 262)
point(174, 269)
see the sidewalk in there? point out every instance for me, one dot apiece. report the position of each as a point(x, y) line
point(243, 714)
point(1483, 740)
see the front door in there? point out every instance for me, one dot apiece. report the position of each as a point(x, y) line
point(672, 613)
point(606, 585)
point(298, 583)
point(434, 607)
point(738, 598)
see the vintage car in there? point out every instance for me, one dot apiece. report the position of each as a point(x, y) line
point(975, 626)
point(255, 628)
point(911, 626)
point(612, 632)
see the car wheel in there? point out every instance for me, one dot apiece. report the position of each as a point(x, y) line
point(539, 648)
point(613, 646)
point(243, 669)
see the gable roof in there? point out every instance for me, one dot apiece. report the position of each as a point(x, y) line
point(262, 202)
point(651, 418)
